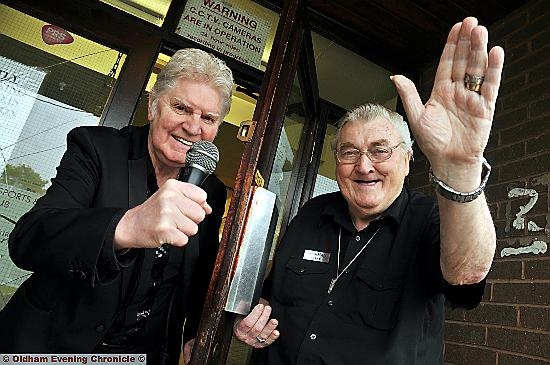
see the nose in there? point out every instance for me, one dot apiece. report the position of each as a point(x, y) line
point(192, 124)
point(364, 164)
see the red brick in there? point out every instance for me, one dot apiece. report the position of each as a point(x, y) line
point(539, 73)
point(535, 59)
point(468, 355)
point(486, 313)
point(525, 168)
point(540, 40)
point(510, 118)
point(535, 317)
point(454, 314)
point(539, 143)
point(510, 359)
point(538, 269)
point(508, 25)
point(503, 269)
point(464, 333)
point(499, 192)
point(519, 341)
point(526, 130)
point(532, 28)
point(521, 293)
point(541, 107)
point(538, 9)
point(506, 153)
point(512, 85)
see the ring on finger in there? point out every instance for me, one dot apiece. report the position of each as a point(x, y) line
point(473, 82)
point(260, 339)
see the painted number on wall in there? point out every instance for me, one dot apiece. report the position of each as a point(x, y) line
point(537, 245)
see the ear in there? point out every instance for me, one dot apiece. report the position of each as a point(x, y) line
point(149, 108)
point(408, 160)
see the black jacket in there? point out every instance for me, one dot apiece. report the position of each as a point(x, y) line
point(77, 285)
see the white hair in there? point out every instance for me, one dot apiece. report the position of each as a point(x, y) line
point(196, 65)
point(367, 112)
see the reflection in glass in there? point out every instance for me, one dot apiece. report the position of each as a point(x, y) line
point(325, 182)
point(51, 82)
point(289, 141)
point(152, 11)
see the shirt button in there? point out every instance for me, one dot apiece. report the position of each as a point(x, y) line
point(330, 303)
point(302, 270)
point(100, 328)
point(313, 336)
point(358, 238)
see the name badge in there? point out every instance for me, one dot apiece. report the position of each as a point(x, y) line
point(318, 256)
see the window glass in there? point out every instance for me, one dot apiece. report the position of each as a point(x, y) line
point(346, 80)
point(285, 156)
point(51, 81)
point(325, 181)
point(152, 11)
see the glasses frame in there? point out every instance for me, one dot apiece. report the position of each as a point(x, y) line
point(366, 153)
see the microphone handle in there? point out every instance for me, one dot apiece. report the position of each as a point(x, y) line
point(193, 175)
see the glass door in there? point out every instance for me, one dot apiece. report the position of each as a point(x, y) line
point(51, 81)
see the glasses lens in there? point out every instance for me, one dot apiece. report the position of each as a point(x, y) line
point(348, 155)
point(379, 153)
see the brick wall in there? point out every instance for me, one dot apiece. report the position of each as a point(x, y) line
point(512, 324)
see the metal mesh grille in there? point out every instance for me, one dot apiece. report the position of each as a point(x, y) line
point(204, 154)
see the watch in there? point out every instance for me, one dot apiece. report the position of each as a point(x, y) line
point(449, 193)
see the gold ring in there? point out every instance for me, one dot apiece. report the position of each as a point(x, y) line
point(260, 340)
point(473, 82)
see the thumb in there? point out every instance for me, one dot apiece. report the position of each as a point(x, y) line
point(409, 96)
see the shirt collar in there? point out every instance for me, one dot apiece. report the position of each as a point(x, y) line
point(152, 186)
point(339, 213)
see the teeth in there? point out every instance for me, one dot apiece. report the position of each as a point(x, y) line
point(183, 141)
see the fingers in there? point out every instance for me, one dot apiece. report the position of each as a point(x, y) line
point(445, 67)
point(257, 329)
point(170, 216)
point(477, 59)
point(463, 49)
point(493, 75)
point(188, 350)
point(409, 96)
point(180, 207)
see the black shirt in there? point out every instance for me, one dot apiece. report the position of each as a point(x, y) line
point(141, 322)
point(385, 308)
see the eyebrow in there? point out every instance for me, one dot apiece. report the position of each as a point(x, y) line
point(188, 105)
point(378, 142)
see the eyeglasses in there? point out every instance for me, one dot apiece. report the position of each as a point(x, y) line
point(351, 155)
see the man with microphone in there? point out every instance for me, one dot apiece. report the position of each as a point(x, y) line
point(121, 247)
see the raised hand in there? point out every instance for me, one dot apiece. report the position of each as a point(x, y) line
point(452, 128)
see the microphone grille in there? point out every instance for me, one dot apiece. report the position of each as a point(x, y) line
point(205, 154)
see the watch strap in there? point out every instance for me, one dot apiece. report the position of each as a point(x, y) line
point(451, 194)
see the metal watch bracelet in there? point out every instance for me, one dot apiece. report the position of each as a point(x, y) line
point(451, 194)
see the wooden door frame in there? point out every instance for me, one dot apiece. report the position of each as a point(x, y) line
point(215, 329)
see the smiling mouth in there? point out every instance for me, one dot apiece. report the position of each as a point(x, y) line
point(183, 141)
point(367, 182)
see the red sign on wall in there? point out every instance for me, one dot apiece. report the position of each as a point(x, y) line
point(52, 34)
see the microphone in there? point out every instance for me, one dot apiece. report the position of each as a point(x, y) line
point(201, 161)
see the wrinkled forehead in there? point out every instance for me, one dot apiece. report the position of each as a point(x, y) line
point(365, 133)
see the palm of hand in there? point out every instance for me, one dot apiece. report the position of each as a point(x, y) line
point(455, 123)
